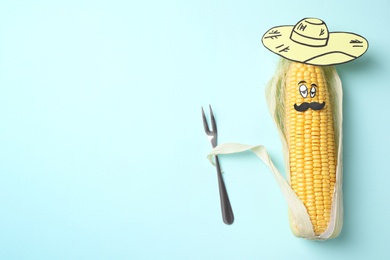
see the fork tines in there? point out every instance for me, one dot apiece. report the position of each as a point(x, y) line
point(213, 132)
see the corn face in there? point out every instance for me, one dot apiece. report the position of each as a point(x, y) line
point(309, 131)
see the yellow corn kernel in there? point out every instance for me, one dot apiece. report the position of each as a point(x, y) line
point(311, 142)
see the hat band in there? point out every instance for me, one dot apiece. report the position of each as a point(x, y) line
point(309, 41)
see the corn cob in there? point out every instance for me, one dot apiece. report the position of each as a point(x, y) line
point(311, 142)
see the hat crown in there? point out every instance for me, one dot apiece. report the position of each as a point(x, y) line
point(310, 32)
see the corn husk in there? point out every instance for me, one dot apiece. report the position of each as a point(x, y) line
point(299, 218)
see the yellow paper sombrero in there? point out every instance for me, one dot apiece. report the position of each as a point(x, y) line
point(309, 41)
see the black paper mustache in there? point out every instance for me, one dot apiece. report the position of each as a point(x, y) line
point(305, 106)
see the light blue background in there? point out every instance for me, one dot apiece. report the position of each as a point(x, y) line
point(102, 149)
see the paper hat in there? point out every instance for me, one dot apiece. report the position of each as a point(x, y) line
point(310, 42)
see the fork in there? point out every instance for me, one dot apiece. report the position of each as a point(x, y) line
point(226, 208)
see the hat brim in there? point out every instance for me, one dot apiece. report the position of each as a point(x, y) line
point(341, 47)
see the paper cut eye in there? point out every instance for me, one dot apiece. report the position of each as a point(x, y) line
point(303, 90)
point(313, 91)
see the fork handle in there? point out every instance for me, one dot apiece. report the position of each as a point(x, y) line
point(226, 208)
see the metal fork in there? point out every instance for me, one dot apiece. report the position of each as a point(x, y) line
point(226, 208)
